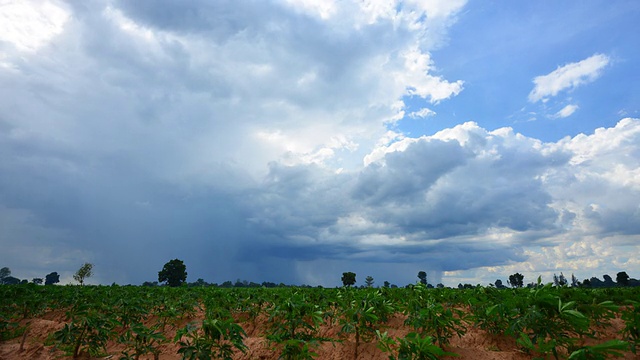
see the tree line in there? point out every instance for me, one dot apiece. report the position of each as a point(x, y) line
point(174, 273)
point(7, 279)
point(622, 279)
point(85, 271)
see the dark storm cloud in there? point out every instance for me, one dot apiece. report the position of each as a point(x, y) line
point(303, 199)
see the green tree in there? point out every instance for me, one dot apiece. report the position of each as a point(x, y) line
point(10, 280)
point(348, 278)
point(559, 280)
point(516, 280)
point(608, 281)
point(174, 273)
point(199, 282)
point(5, 272)
point(369, 281)
point(622, 278)
point(85, 271)
point(37, 281)
point(52, 278)
point(422, 275)
point(574, 281)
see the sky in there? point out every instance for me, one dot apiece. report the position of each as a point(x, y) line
point(290, 141)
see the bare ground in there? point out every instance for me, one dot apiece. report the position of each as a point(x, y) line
point(476, 344)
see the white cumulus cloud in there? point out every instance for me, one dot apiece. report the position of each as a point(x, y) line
point(566, 111)
point(510, 201)
point(422, 113)
point(28, 25)
point(568, 76)
point(417, 78)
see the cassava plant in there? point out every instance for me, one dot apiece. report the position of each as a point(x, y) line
point(411, 347)
point(141, 340)
point(432, 318)
point(215, 339)
point(89, 331)
point(606, 350)
point(546, 323)
point(293, 324)
point(631, 331)
point(359, 317)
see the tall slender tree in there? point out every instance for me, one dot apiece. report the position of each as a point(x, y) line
point(369, 281)
point(85, 271)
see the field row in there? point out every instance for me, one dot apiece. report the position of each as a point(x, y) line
point(210, 323)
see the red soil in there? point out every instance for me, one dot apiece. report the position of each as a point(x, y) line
point(476, 344)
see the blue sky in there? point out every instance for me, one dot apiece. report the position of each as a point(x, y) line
point(497, 48)
point(293, 140)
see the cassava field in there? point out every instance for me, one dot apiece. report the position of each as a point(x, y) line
point(128, 322)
